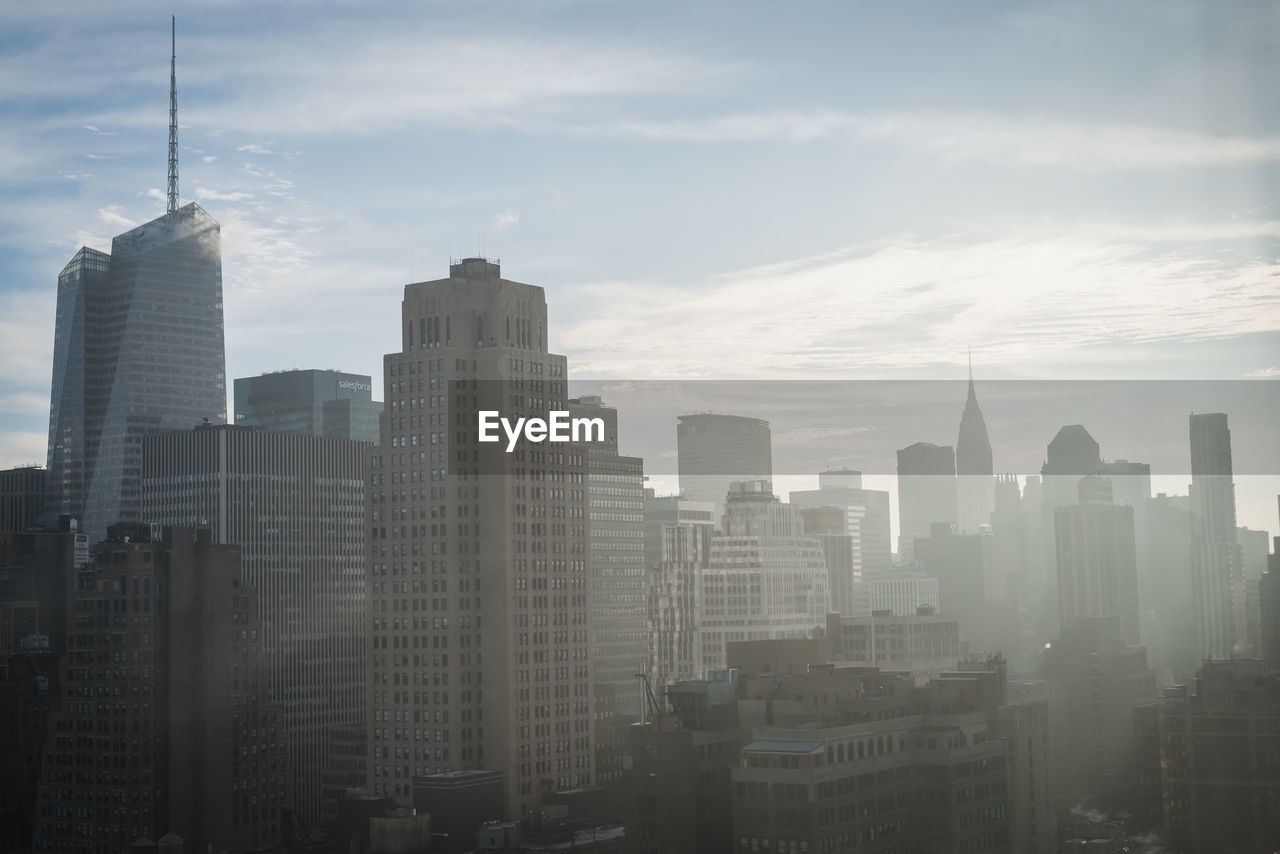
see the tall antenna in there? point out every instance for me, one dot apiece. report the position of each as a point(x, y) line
point(173, 116)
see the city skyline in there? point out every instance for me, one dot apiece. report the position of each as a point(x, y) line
point(1083, 184)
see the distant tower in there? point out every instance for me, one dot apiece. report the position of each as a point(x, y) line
point(975, 488)
point(1217, 570)
point(714, 451)
point(926, 492)
point(1097, 560)
point(138, 349)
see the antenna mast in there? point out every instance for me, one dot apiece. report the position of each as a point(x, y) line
point(173, 116)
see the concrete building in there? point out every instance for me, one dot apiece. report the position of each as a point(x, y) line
point(896, 769)
point(309, 402)
point(765, 578)
point(926, 493)
point(619, 585)
point(1097, 560)
point(188, 743)
point(1219, 759)
point(923, 644)
point(295, 505)
point(900, 591)
point(1269, 609)
point(866, 514)
point(678, 793)
point(839, 553)
point(1217, 570)
point(1101, 681)
point(1168, 603)
point(477, 558)
point(21, 497)
point(716, 450)
point(677, 548)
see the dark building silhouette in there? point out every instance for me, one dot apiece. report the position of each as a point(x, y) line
point(1218, 759)
point(975, 483)
point(1217, 569)
point(164, 725)
point(926, 492)
point(716, 450)
point(1097, 559)
point(678, 791)
point(295, 506)
point(1101, 680)
point(21, 497)
point(1269, 608)
point(310, 402)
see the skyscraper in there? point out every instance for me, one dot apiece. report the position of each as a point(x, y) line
point(1097, 560)
point(477, 558)
point(295, 507)
point(975, 484)
point(677, 547)
point(926, 492)
point(1217, 572)
point(716, 450)
point(866, 515)
point(310, 402)
point(138, 349)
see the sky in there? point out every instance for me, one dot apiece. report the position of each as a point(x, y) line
point(844, 190)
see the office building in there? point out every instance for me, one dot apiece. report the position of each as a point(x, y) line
point(1101, 680)
point(1219, 759)
point(21, 497)
point(1269, 609)
point(899, 591)
point(715, 450)
point(294, 504)
point(866, 514)
point(477, 558)
point(975, 473)
point(677, 548)
point(619, 585)
point(310, 402)
point(839, 553)
point(1097, 561)
point(187, 742)
point(138, 349)
point(1217, 571)
point(765, 577)
point(926, 493)
point(924, 644)
point(678, 793)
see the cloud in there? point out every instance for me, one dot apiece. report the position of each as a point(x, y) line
point(97, 131)
point(1273, 371)
point(205, 194)
point(960, 137)
point(257, 148)
point(209, 158)
point(113, 217)
point(26, 337)
point(506, 219)
point(21, 447)
point(909, 303)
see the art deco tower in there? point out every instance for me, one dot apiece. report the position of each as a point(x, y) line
point(975, 485)
point(138, 349)
point(477, 558)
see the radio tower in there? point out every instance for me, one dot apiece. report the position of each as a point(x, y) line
point(173, 117)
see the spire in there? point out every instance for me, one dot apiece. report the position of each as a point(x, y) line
point(173, 116)
point(971, 391)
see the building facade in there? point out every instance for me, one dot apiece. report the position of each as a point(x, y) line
point(926, 493)
point(295, 506)
point(1097, 560)
point(187, 742)
point(21, 497)
point(866, 514)
point(138, 350)
point(715, 450)
point(1217, 570)
point(479, 625)
point(924, 644)
point(765, 578)
point(309, 402)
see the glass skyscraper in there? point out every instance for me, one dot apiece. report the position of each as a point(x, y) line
point(138, 349)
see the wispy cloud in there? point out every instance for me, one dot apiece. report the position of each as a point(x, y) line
point(206, 194)
point(506, 219)
point(1273, 371)
point(907, 303)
